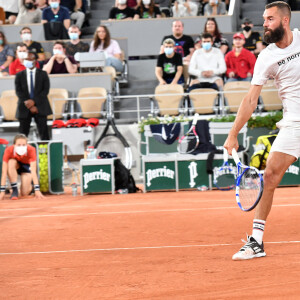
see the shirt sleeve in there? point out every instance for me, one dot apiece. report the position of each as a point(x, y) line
point(7, 154)
point(10, 52)
point(160, 61)
point(116, 47)
point(112, 14)
point(178, 58)
point(261, 72)
point(31, 154)
point(39, 48)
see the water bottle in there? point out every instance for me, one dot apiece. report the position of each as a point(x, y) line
point(91, 152)
point(74, 189)
point(202, 188)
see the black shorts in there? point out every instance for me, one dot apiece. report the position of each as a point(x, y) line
point(23, 168)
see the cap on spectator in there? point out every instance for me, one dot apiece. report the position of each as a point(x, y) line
point(238, 35)
point(58, 124)
point(247, 20)
point(70, 123)
point(79, 123)
point(3, 142)
point(92, 122)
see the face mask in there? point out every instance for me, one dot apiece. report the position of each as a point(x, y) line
point(26, 36)
point(21, 150)
point(73, 35)
point(247, 28)
point(54, 5)
point(146, 2)
point(57, 51)
point(206, 46)
point(29, 5)
point(1, 42)
point(28, 64)
point(122, 2)
point(168, 51)
point(22, 55)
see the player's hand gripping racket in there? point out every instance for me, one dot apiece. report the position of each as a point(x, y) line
point(190, 141)
point(224, 177)
point(249, 185)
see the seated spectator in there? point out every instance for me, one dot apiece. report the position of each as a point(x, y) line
point(26, 36)
point(75, 11)
point(122, 12)
point(56, 13)
point(75, 45)
point(208, 65)
point(214, 7)
point(111, 48)
point(28, 13)
point(184, 8)
point(18, 64)
point(41, 4)
point(6, 55)
point(184, 44)
point(11, 9)
point(169, 65)
point(239, 61)
point(211, 26)
point(147, 9)
point(253, 40)
point(130, 3)
point(60, 63)
point(164, 6)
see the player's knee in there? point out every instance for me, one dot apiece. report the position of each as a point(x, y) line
point(26, 190)
point(271, 178)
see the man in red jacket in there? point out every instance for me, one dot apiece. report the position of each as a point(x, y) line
point(239, 61)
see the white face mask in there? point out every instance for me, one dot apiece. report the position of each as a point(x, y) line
point(21, 150)
point(26, 36)
point(57, 51)
point(146, 2)
point(122, 2)
point(22, 55)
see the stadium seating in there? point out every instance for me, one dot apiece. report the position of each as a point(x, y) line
point(55, 96)
point(203, 101)
point(8, 102)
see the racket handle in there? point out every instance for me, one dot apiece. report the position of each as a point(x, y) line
point(225, 155)
point(235, 156)
point(195, 119)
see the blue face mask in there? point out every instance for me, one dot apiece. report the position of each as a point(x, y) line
point(169, 51)
point(54, 5)
point(1, 42)
point(28, 64)
point(73, 35)
point(206, 46)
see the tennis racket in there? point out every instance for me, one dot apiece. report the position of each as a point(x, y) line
point(224, 177)
point(190, 141)
point(249, 185)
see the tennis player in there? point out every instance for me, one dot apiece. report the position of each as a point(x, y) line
point(20, 159)
point(279, 61)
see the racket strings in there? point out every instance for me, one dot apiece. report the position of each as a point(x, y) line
point(188, 144)
point(224, 178)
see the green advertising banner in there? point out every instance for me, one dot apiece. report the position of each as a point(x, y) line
point(55, 167)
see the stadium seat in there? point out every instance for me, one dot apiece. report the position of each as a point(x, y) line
point(203, 100)
point(114, 79)
point(91, 108)
point(56, 97)
point(270, 99)
point(9, 102)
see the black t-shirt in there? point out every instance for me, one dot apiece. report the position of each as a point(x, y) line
point(71, 49)
point(119, 14)
point(169, 65)
point(251, 41)
point(69, 4)
point(182, 45)
point(36, 47)
point(146, 14)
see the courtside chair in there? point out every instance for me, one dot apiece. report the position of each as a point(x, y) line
point(270, 99)
point(114, 79)
point(168, 100)
point(203, 101)
point(91, 108)
point(9, 103)
point(58, 99)
point(234, 92)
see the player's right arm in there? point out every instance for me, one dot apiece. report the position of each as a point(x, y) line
point(244, 113)
point(3, 179)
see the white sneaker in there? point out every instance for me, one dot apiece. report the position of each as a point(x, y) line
point(251, 249)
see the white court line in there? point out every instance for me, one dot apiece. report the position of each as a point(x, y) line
point(137, 248)
point(133, 212)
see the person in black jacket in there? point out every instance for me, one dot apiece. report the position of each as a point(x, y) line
point(32, 88)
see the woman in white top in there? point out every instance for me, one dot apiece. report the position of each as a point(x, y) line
point(28, 13)
point(111, 48)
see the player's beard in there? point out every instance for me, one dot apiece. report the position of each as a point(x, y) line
point(275, 35)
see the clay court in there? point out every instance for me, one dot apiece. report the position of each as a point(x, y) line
point(159, 245)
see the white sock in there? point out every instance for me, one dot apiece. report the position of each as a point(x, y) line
point(258, 230)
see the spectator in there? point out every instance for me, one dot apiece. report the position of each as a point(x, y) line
point(60, 63)
point(184, 44)
point(32, 88)
point(75, 45)
point(111, 48)
point(169, 66)
point(18, 64)
point(20, 159)
point(147, 9)
point(28, 13)
point(75, 11)
point(6, 55)
point(56, 13)
point(122, 12)
point(11, 9)
point(214, 7)
point(253, 40)
point(41, 4)
point(26, 36)
point(239, 61)
point(164, 6)
point(184, 8)
point(211, 26)
point(208, 65)
point(130, 3)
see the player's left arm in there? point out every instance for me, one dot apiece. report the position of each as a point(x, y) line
point(35, 179)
